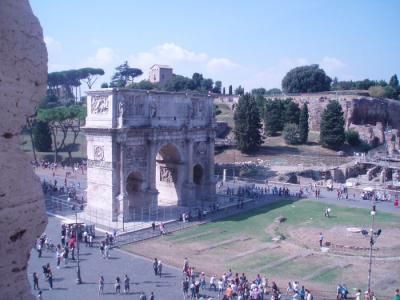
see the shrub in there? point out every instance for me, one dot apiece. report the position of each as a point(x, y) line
point(353, 138)
point(291, 134)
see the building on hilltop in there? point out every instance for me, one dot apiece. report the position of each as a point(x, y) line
point(160, 74)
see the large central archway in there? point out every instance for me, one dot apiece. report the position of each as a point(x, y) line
point(168, 175)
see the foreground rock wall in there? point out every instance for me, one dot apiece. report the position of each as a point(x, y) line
point(23, 77)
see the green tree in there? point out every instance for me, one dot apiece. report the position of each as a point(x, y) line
point(292, 113)
point(273, 116)
point(142, 85)
point(206, 85)
point(303, 124)
point(124, 75)
point(197, 78)
point(41, 137)
point(62, 119)
point(90, 75)
point(260, 100)
point(273, 92)
point(230, 90)
point(306, 79)
point(291, 134)
point(390, 92)
point(217, 87)
point(30, 123)
point(332, 126)
point(178, 83)
point(239, 90)
point(104, 85)
point(394, 82)
point(353, 138)
point(258, 92)
point(247, 125)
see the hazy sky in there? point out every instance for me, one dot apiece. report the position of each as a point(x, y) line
point(253, 43)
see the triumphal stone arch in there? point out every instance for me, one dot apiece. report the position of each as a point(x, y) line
point(147, 149)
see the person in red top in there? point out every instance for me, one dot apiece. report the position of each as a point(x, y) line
point(229, 292)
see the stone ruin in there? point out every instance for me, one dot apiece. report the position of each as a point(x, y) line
point(369, 116)
point(23, 81)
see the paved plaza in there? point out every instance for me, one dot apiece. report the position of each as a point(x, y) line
point(139, 269)
point(93, 265)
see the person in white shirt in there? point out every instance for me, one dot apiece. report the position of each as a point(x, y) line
point(220, 287)
point(212, 283)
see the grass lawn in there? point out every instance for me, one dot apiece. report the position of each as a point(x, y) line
point(329, 277)
point(249, 247)
point(304, 213)
point(80, 152)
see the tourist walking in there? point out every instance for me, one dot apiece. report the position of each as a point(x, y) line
point(50, 279)
point(58, 256)
point(185, 287)
point(126, 284)
point(155, 266)
point(162, 228)
point(151, 296)
point(159, 268)
point(321, 239)
point(35, 281)
point(39, 249)
point(117, 286)
point(397, 295)
point(101, 285)
point(39, 296)
point(143, 296)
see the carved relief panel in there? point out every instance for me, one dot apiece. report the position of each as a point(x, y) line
point(99, 104)
point(136, 155)
point(98, 152)
point(168, 175)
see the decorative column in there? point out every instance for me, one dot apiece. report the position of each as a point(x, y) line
point(211, 167)
point(211, 170)
point(190, 161)
point(151, 174)
point(123, 211)
point(122, 201)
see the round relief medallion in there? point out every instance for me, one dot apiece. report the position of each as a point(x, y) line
point(202, 148)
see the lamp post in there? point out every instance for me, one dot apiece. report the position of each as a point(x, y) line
point(371, 243)
point(372, 240)
point(78, 273)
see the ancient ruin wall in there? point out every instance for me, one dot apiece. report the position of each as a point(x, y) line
point(369, 116)
point(23, 77)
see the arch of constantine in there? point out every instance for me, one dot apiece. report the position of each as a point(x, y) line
point(147, 149)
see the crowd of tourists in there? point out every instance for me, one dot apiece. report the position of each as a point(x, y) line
point(68, 168)
point(256, 191)
point(126, 283)
point(231, 286)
